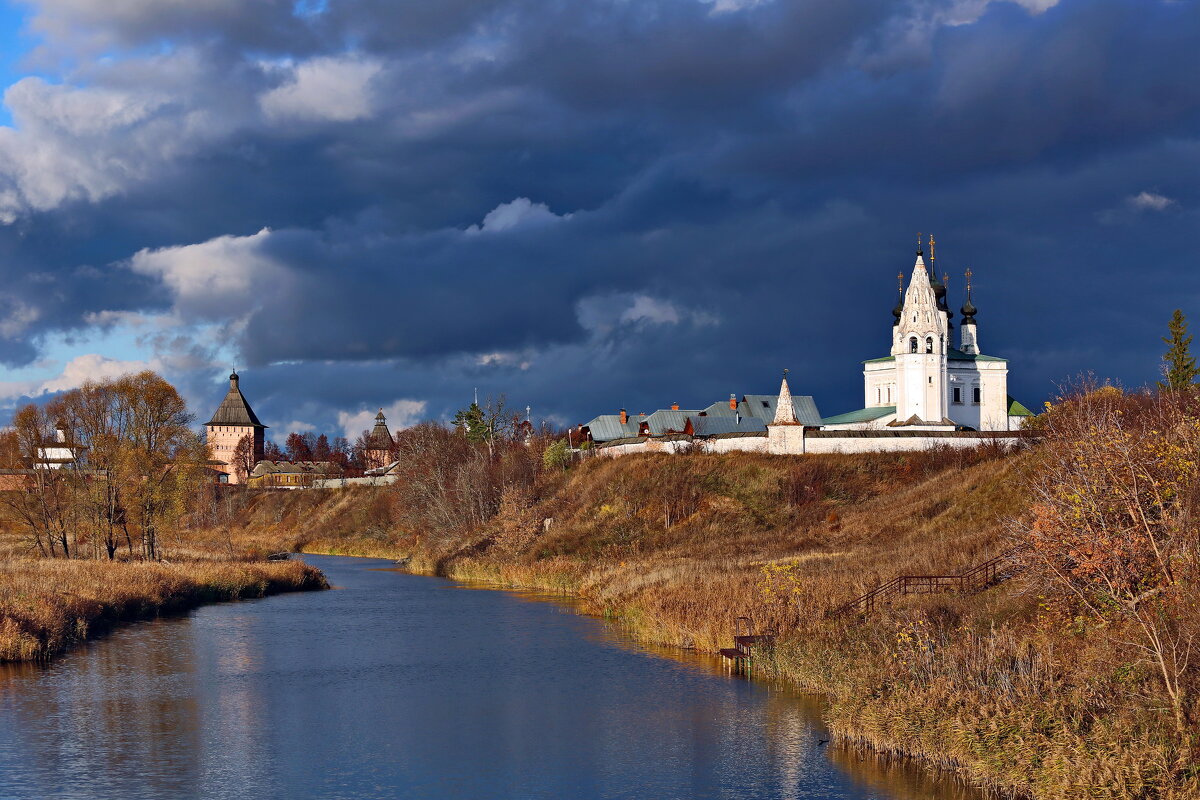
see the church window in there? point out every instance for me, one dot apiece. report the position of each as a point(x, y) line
point(931, 379)
point(957, 394)
point(976, 395)
point(928, 344)
point(878, 393)
point(889, 394)
point(912, 345)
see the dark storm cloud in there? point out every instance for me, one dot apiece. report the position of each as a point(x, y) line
point(584, 204)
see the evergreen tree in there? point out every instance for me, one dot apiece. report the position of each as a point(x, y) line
point(472, 422)
point(1180, 364)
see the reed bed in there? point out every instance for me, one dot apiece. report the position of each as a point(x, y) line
point(50, 605)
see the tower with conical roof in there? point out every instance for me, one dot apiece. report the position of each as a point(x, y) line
point(378, 450)
point(919, 344)
point(785, 434)
point(233, 420)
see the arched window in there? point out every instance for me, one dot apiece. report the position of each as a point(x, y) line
point(877, 393)
point(912, 345)
point(928, 344)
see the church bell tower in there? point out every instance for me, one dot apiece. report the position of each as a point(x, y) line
point(920, 339)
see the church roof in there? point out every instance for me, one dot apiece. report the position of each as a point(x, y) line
point(234, 410)
point(861, 415)
point(953, 354)
point(1016, 409)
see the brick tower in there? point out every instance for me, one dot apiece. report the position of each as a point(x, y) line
point(233, 419)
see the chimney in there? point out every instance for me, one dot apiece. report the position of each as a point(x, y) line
point(674, 406)
point(733, 402)
point(624, 416)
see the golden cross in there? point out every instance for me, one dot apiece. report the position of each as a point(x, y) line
point(969, 274)
point(900, 281)
point(932, 257)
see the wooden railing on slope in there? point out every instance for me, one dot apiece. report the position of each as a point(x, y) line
point(976, 579)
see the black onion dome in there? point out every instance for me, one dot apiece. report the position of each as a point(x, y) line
point(968, 311)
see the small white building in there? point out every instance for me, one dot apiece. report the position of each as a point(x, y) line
point(926, 383)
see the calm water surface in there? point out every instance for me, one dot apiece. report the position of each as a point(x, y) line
point(404, 686)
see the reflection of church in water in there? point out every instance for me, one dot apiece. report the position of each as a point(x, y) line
point(927, 382)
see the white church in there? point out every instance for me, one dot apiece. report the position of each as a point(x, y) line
point(927, 383)
point(926, 393)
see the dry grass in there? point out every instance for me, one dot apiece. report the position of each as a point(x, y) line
point(49, 605)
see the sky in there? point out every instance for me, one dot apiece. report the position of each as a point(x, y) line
point(582, 206)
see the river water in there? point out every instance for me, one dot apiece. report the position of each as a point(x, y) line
point(404, 686)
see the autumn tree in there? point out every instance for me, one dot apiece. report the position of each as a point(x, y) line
point(1178, 362)
point(321, 449)
point(1112, 532)
point(298, 448)
point(162, 459)
point(272, 452)
point(243, 458)
point(48, 508)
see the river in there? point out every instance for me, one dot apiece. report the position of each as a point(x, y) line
point(404, 686)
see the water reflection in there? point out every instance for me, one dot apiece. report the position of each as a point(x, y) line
point(401, 686)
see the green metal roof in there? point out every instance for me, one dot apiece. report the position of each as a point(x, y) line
point(1015, 409)
point(951, 355)
point(861, 415)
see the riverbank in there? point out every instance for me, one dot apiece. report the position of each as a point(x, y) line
point(987, 685)
point(48, 606)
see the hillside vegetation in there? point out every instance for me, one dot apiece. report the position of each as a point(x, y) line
point(1073, 679)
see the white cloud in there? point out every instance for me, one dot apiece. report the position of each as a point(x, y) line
point(1149, 201)
point(221, 279)
point(649, 309)
point(136, 116)
point(79, 370)
point(520, 361)
point(601, 314)
point(337, 89)
point(400, 415)
point(725, 6)
point(92, 367)
point(517, 213)
point(17, 319)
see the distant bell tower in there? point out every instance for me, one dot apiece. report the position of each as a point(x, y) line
point(921, 337)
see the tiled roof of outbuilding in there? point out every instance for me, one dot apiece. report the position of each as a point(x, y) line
point(861, 415)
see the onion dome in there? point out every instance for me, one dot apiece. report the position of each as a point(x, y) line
point(968, 311)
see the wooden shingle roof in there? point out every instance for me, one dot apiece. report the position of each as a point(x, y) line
point(234, 410)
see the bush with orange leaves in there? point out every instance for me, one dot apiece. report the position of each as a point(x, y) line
point(1112, 530)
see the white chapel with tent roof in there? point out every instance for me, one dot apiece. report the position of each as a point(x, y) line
point(927, 383)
